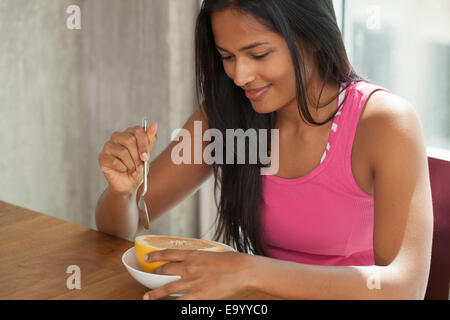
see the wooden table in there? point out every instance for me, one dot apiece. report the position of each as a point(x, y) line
point(36, 250)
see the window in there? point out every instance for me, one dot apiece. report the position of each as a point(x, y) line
point(404, 45)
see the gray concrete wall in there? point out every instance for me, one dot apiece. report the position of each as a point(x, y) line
point(63, 92)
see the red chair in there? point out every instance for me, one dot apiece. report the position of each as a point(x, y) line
point(439, 278)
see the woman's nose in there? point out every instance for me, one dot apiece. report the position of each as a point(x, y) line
point(243, 74)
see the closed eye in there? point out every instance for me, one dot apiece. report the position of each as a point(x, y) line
point(255, 57)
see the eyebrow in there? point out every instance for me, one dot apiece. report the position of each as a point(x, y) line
point(251, 46)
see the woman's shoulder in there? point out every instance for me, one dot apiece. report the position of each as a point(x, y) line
point(388, 117)
point(385, 110)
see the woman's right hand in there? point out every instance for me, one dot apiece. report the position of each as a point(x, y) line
point(122, 158)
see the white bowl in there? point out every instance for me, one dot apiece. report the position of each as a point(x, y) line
point(151, 280)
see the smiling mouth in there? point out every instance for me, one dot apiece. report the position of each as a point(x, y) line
point(257, 94)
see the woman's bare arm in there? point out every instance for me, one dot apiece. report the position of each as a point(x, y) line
point(167, 183)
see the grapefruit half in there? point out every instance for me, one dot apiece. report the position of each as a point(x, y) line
point(148, 243)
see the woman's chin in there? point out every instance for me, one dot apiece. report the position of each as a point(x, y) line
point(261, 109)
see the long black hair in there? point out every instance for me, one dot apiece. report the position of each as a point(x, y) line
point(299, 22)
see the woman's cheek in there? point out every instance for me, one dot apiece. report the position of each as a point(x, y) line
point(227, 71)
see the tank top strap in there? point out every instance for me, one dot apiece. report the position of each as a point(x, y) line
point(357, 95)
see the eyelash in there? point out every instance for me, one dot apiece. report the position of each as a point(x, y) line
point(255, 57)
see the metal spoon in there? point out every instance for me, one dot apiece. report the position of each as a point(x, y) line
point(141, 204)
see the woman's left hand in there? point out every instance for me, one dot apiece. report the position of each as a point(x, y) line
point(204, 275)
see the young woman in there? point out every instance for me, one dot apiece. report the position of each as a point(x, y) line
point(348, 215)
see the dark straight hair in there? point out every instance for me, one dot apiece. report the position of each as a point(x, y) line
point(300, 23)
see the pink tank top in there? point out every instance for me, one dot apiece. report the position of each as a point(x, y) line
point(324, 217)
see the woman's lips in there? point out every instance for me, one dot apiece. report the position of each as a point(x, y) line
point(256, 94)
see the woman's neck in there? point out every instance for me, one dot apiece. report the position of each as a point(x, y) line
point(288, 118)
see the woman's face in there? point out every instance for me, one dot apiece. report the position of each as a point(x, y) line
point(232, 31)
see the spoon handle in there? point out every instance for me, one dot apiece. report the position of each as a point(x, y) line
point(145, 126)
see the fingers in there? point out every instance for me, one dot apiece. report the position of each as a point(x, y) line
point(191, 296)
point(111, 162)
point(174, 255)
point(132, 147)
point(114, 152)
point(145, 140)
point(166, 290)
point(152, 134)
point(170, 269)
point(129, 141)
point(141, 145)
